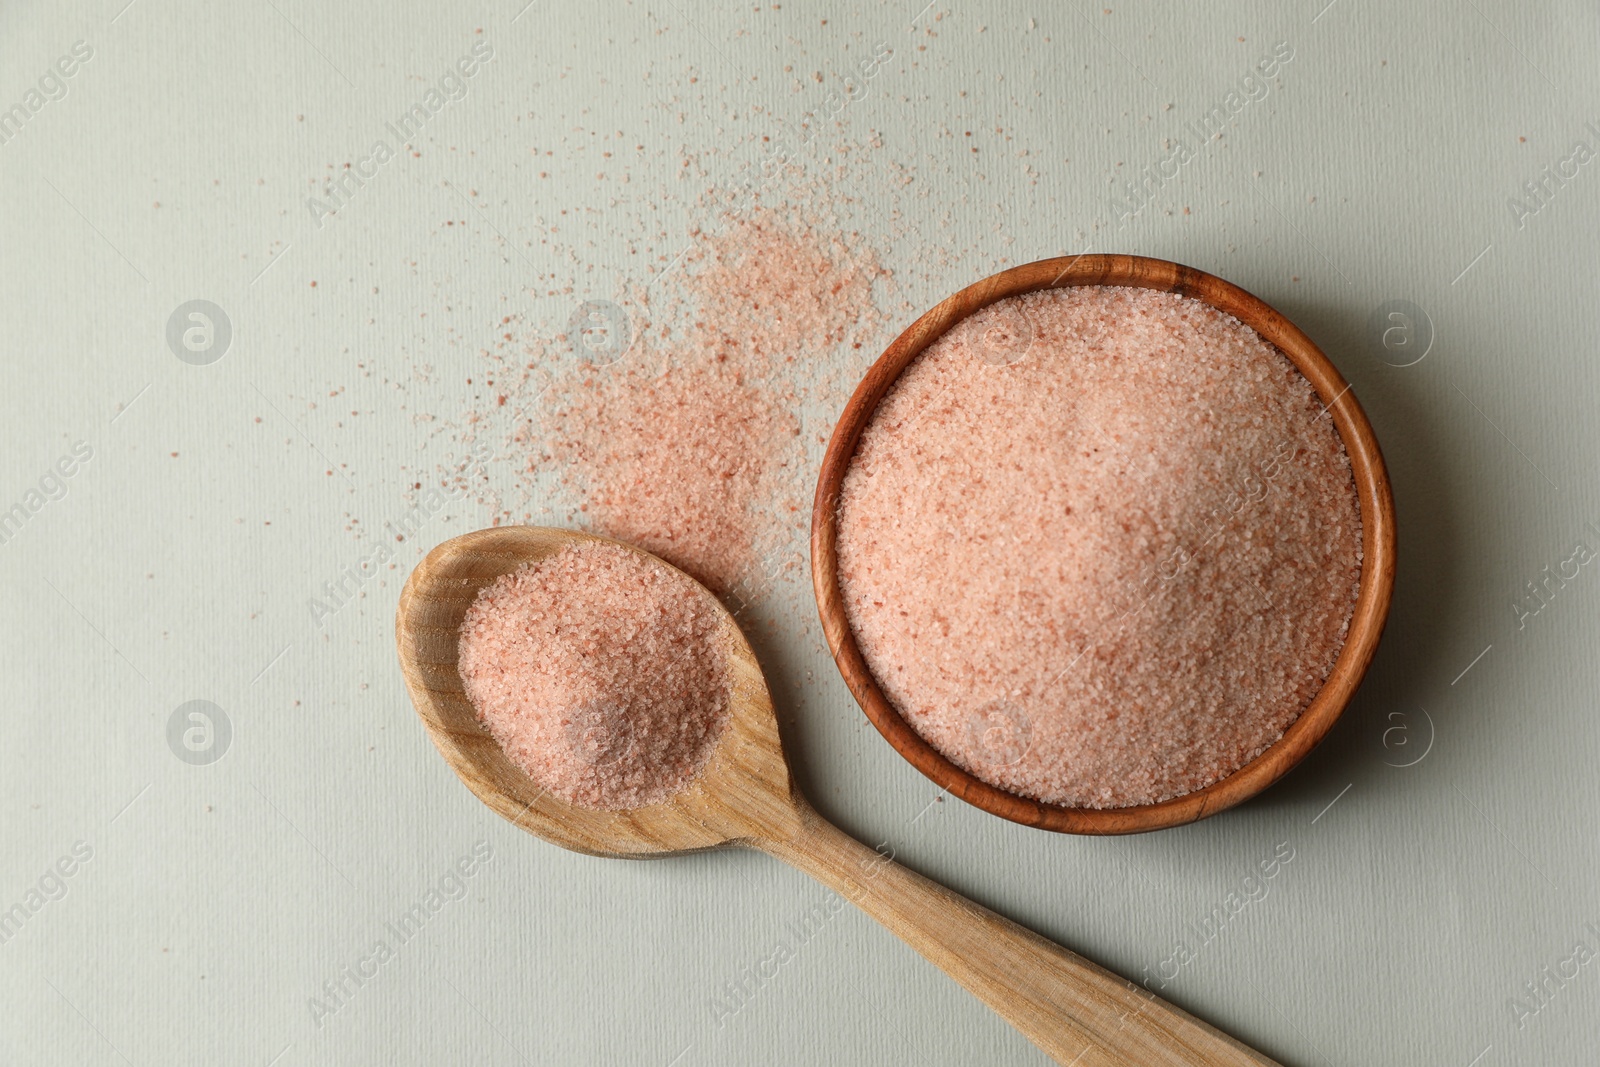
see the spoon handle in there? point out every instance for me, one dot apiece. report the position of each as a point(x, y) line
point(1075, 1010)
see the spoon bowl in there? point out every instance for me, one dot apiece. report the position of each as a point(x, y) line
point(743, 791)
point(1077, 1012)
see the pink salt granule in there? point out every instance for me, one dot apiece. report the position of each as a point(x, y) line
point(600, 673)
point(1100, 546)
point(675, 462)
point(690, 447)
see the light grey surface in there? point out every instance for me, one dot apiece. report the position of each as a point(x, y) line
point(1378, 165)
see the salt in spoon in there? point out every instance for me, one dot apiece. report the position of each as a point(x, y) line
point(1076, 1011)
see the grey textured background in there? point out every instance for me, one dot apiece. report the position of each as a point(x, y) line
point(219, 898)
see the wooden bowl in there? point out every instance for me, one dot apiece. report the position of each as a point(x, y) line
point(1377, 542)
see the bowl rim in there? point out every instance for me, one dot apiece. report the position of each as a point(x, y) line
point(1375, 588)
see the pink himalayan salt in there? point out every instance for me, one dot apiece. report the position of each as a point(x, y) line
point(690, 446)
point(675, 462)
point(1100, 546)
point(600, 674)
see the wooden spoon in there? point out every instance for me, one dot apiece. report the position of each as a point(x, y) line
point(1074, 1010)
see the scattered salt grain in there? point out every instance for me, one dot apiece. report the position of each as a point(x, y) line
point(691, 447)
point(1100, 546)
point(600, 674)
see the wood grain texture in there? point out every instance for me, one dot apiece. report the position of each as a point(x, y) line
point(1377, 539)
point(744, 789)
point(1074, 1010)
